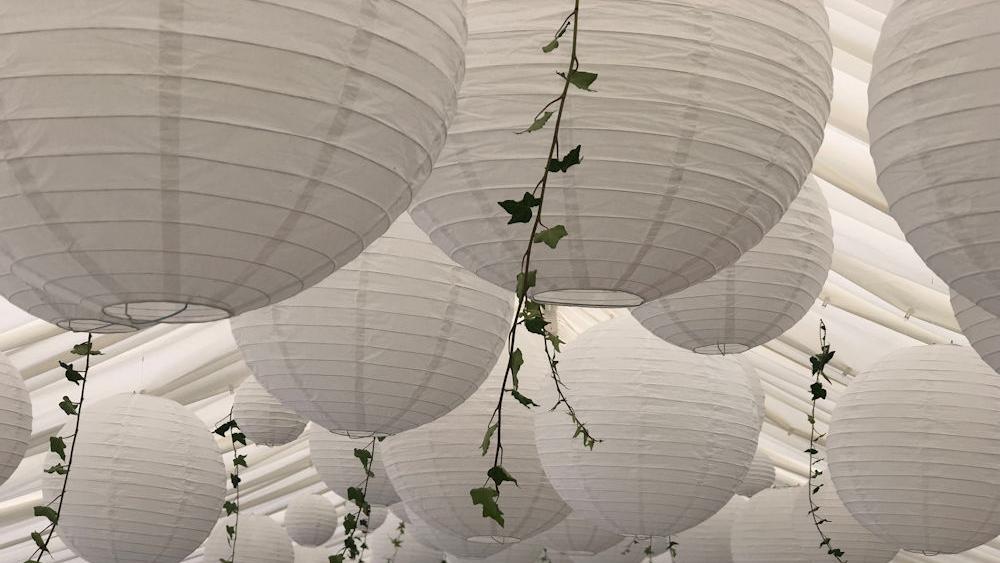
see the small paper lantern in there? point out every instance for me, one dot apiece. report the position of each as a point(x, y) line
point(859, 545)
point(932, 123)
point(15, 418)
point(679, 431)
point(396, 339)
point(761, 475)
point(147, 482)
point(769, 531)
point(630, 550)
point(981, 327)
point(333, 457)
point(259, 539)
point(768, 290)
point(310, 520)
point(709, 542)
point(262, 417)
point(225, 164)
point(577, 536)
point(435, 466)
point(914, 449)
point(311, 554)
point(450, 543)
point(410, 551)
point(703, 132)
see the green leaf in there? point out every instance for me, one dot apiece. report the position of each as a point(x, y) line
point(40, 542)
point(47, 512)
point(230, 507)
point(357, 496)
point(536, 325)
point(520, 211)
point(350, 523)
point(239, 438)
point(221, 430)
point(58, 469)
point(551, 236)
point(539, 122)
point(818, 392)
point(571, 159)
point(554, 340)
point(85, 349)
point(235, 480)
point(581, 79)
point(522, 399)
point(58, 446)
point(516, 361)
point(71, 374)
point(67, 406)
point(240, 460)
point(812, 451)
point(500, 476)
point(526, 281)
point(339, 558)
point(487, 498)
point(550, 46)
point(230, 531)
point(485, 446)
point(366, 460)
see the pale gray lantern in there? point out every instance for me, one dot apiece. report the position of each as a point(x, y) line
point(860, 544)
point(186, 161)
point(449, 542)
point(577, 536)
point(981, 327)
point(15, 418)
point(310, 520)
point(411, 551)
point(333, 457)
point(760, 477)
point(768, 530)
point(709, 542)
point(259, 539)
point(263, 418)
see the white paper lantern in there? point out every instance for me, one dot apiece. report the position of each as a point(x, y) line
point(376, 517)
point(333, 457)
point(577, 536)
point(147, 482)
point(435, 466)
point(768, 530)
point(15, 418)
point(450, 543)
point(410, 551)
point(528, 552)
point(981, 327)
point(311, 554)
point(709, 542)
point(310, 520)
point(630, 550)
point(704, 129)
point(932, 123)
point(191, 160)
point(761, 475)
point(259, 539)
point(759, 398)
point(679, 431)
point(263, 418)
point(914, 449)
point(858, 544)
point(767, 291)
point(396, 339)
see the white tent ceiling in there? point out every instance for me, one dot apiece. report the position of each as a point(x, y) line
point(880, 296)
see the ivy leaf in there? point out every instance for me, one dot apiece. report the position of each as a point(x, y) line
point(516, 361)
point(58, 469)
point(485, 446)
point(39, 541)
point(230, 531)
point(520, 211)
point(818, 392)
point(539, 122)
point(67, 406)
point(487, 498)
point(58, 446)
point(47, 512)
point(230, 507)
point(239, 437)
point(554, 340)
point(522, 399)
point(240, 460)
point(550, 46)
point(536, 325)
point(571, 159)
point(339, 558)
point(221, 430)
point(71, 374)
point(551, 236)
point(581, 79)
point(235, 479)
point(836, 553)
point(357, 496)
point(526, 281)
point(366, 459)
point(350, 523)
point(500, 475)
point(812, 451)
point(85, 349)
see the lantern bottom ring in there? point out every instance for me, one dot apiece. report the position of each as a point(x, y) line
point(144, 312)
point(588, 298)
point(494, 539)
point(721, 349)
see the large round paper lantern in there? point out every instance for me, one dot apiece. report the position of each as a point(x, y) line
point(761, 475)
point(259, 539)
point(709, 542)
point(333, 457)
point(147, 482)
point(311, 554)
point(15, 418)
point(450, 543)
point(396, 339)
point(762, 295)
point(187, 161)
point(932, 118)
point(435, 466)
point(703, 131)
point(859, 544)
point(263, 418)
point(767, 530)
point(981, 327)
point(409, 551)
point(310, 520)
point(576, 536)
point(679, 431)
point(914, 449)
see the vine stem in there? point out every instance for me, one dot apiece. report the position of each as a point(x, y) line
point(236, 472)
point(363, 508)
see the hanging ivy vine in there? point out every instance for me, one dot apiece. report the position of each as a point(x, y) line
point(529, 313)
point(397, 541)
point(352, 548)
point(57, 445)
point(232, 507)
point(819, 362)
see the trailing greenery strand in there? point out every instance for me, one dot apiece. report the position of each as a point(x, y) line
point(357, 495)
point(239, 460)
point(397, 541)
point(57, 445)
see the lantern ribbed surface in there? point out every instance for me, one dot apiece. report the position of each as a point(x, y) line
point(767, 530)
point(679, 431)
point(768, 290)
point(311, 554)
point(704, 126)
point(410, 551)
point(147, 482)
point(259, 539)
point(434, 467)
point(760, 477)
point(225, 164)
point(15, 418)
point(577, 536)
point(914, 449)
point(448, 542)
point(310, 520)
point(630, 550)
point(333, 457)
point(376, 517)
point(263, 418)
point(709, 542)
point(396, 339)
point(528, 552)
point(759, 399)
point(981, 327)
point(932, 124)
point(859, 544)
